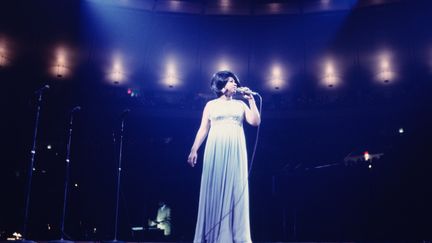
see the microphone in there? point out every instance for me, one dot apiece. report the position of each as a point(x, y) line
point(46, 86)
point(76, 108)
point(246, 90)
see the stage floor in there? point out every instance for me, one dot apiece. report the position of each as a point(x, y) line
point(253, 242)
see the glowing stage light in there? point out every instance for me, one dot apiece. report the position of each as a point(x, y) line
point(116, 74)
point(2, 59)
point(3, 54)
point(49, 146)
point(223, 65)
point(277, 83)
point(276, 80)
point(330, 76)
point(401, 130)
point(171, 78)
point(59, 67)
point(16, 236)
point(137, 228)
point(366, 155)
point(274, 7)
point(225, 2)
point(385, 69)
point(175, 5)
point(226, 6)
point(276, 71)
point(117, 77)
point(133, 92)
point(60, 70)
point(370, 166)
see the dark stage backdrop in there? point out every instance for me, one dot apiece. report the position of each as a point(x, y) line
point(301, 188)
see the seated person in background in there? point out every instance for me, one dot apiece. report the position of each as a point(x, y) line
point(163, 219)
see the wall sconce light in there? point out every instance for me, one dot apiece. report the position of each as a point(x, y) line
point(385, 76)
point(225, 5)
point(59, 67)
point(60, 70)
point(330, 78)
point(276, 82)
point(385, 73)
point(3, 59)
point(277, 78)
point(171, 80)
point(117, 77)
point(117, 73)
point(223, 65)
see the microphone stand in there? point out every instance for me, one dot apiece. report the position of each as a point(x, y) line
point(66, 182)
point(32, 160)
point(125, 112)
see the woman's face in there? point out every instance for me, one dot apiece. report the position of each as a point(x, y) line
point(231, 86)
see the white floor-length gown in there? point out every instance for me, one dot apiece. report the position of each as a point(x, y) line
point(223, 213)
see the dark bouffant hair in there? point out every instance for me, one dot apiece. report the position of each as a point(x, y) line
point(220, 79)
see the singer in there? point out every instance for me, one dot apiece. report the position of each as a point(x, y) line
point(223, 212)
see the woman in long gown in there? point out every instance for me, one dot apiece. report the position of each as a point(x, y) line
point(223, 212)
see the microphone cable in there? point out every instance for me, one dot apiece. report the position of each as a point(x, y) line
point(245, 184)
